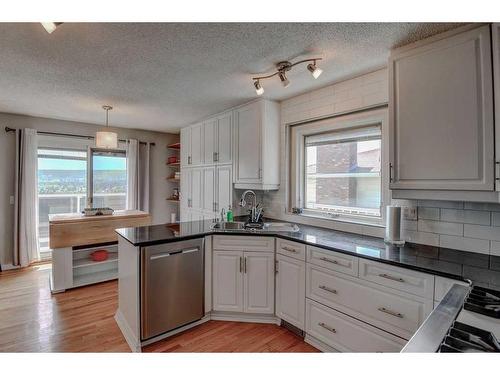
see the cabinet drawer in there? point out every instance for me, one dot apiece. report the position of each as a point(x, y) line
point(418, 283)
point(292, 249)
point(243, 243)
point(347, 334)
point(333, 260)
point(394, 311)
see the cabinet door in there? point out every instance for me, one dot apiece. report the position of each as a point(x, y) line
point(495, 32)
point(248, 143)
point(441, 114)
point(224, 187)
point(185, 193)
point(208, 189)
point(185, 146)
point(209, 141)
point(227, 281)
point(196, 189)
point(196, 144)
point(258, 282)
point(224, 138)
point(291, 290)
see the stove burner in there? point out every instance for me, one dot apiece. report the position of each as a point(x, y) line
point(462, 338)
point(483, 301)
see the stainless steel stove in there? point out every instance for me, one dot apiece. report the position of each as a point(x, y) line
point(466, 321)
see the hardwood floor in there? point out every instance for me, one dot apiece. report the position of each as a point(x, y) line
point(82, 320)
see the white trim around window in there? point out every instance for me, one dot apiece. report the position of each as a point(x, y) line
point(350, 125)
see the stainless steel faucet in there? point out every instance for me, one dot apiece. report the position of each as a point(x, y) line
point(222, 215)
point(254, 213)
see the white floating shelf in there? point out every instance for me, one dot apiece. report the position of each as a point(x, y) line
point(87, 262)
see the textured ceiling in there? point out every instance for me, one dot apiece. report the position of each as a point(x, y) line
point(165, 76)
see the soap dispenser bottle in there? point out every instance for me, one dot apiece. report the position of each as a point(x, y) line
point(230, 216)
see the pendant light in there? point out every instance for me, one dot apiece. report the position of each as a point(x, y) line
point(105, 138)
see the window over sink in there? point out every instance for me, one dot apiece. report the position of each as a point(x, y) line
point(337, 168)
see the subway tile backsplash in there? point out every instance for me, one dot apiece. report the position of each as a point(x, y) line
point(467, 226)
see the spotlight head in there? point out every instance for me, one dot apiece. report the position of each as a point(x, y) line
point(284, 81)
point(258, 88)
point(315, 71)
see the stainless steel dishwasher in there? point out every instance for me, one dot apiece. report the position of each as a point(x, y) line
point(172, 286)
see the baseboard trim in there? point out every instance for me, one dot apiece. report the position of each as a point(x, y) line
point(245, 318)
point(133, 342)
point(320, 345)
point(8, 267)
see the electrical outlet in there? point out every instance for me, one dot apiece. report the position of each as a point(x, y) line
point(410, 213)
point(11, 200)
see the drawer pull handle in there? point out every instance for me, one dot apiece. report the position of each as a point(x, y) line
point(393, 278)
point(324, 287)
point(329, 260)
point(393, 313)
point(289, 249)
point(327, 327)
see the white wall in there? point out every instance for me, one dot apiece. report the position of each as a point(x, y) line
point(160, 188)
point(358, 93)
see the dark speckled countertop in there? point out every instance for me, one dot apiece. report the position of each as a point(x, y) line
point(481, 268)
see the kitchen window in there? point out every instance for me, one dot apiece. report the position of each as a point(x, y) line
point(337, 168)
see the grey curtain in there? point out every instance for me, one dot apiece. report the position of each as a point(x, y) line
point(138, 171)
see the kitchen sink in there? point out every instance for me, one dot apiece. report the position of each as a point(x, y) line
point(229, 225)
point(268, 227)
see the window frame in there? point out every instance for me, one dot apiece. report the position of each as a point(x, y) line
point(296, 134)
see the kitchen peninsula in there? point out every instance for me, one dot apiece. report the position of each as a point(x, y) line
point(271, 276)
point(74, 236)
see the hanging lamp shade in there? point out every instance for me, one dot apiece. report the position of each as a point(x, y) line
point(105, 138)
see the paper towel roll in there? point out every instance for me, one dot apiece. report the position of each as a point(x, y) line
point(393, 225)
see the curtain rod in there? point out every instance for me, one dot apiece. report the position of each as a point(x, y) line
point(7, 129)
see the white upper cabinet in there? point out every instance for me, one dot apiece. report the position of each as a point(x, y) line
point(256, 147)
point(185, 146)
point(209, 141)
point(224, 153)
point(208, 191)
point(495, 32)
point(224, 186)
point(196, 144)
point(441, 113)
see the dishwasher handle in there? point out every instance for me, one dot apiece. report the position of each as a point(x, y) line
point(164, 255)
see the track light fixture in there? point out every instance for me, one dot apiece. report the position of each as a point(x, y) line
point(283, 67)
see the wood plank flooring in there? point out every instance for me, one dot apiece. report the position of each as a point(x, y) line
point(82, 320)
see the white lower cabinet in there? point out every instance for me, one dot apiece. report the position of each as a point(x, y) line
point(291, 290)
point(227, 281)
point(243, 281)
point(347, 334)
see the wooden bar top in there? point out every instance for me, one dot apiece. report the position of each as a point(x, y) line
point(78, 217)
point(67, 230)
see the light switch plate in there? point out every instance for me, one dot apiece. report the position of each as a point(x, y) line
point(410, 213)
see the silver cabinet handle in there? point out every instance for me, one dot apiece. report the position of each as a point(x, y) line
point(159, 256)
point(324, 287)
point(241, 264)
point(329, 260)
point(276, 266)
point(289, 249)
point(187, 251)
point(391, 179)
point(189, 159)
point(216, 156)
point(245, 265)
point(390, 312)
point(327, 327)
point(393, 278)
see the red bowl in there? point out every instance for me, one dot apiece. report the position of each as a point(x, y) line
point(172, 159)
point(99, 255)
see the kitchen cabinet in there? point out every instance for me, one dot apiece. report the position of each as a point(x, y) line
point(256, 147)
point(196, 148)
point(243, 281)
point(208, 190)
point(291, 290)
point(196, 189)
point(227, 280)
point(217, 140)
point(185, 146)
point(441, 116)
point(224, 186)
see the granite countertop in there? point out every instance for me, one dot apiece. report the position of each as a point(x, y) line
point(439, 261)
